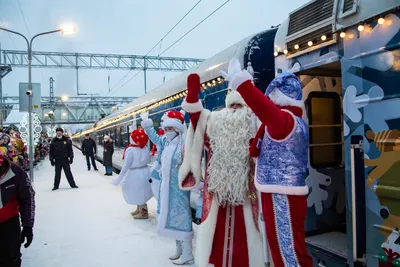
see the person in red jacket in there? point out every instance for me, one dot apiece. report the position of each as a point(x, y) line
point(17, 197)
point(282, 151)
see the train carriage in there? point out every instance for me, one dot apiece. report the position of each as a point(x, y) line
point(347, 55)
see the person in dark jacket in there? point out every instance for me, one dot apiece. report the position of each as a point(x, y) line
point(107, 155)
point(89, 149)
point(61, 156)
point(17, 197)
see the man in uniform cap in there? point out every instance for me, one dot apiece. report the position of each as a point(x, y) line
point(61, 156)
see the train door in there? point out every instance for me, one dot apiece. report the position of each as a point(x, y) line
point(372, 104)
point(327, 226)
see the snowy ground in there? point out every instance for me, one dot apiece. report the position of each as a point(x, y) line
point(91, 226)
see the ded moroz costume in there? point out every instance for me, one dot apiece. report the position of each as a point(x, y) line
point(281, 145)
point(228, 235)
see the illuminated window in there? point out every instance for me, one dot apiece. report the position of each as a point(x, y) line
point(325, 129)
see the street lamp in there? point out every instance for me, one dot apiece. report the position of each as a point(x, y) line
point(64, 30)
point(51, 131)
point(64, 98)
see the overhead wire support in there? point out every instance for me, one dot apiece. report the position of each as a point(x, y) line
point(98, 61)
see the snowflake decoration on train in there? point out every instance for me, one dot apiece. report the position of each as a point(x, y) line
point(317, 195)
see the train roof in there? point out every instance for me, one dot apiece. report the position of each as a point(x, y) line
point(207, 70)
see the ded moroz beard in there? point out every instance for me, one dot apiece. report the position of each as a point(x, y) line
point(229, 132)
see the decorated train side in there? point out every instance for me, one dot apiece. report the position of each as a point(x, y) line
point(347, 56)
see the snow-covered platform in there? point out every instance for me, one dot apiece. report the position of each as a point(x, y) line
point(91, 226)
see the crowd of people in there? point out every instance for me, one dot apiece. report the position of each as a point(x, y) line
point(250, 171)
point(13, 147)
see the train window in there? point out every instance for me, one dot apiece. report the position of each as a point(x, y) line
point(124, 135)
point(112, 135)
point(325, 129)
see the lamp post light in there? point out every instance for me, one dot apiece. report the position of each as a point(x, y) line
point(64, 30)
point(50, 114)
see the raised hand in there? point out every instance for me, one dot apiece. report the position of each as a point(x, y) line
point(144, 115)
point(233, 69)
point(194, 87)
point(236, 76)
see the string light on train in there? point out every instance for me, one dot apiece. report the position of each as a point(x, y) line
point(362, 26)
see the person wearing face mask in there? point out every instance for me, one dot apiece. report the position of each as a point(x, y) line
point(135, 174)
point(61, 156)
point(175, 219)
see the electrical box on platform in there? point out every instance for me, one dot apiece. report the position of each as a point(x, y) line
point(24, 100)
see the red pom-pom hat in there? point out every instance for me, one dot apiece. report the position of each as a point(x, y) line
point(174, 119)
point(139, 137)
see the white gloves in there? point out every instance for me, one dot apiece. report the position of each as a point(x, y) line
point(236, 76)
point(144, 115)
point(116, 181)
point(233, 69)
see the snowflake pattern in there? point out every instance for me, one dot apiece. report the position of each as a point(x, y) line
point(317, 195)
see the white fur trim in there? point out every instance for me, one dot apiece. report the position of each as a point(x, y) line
point(253, 236)
point(205, 236)
point(184, 170)
point(281, 99)
point(240, 78)
point(234, 98)
point(164, 201)
point(280, 189)
point(164, 117)
point(131, 140)
point(194, 151)
point(177, 124)
point(147, 123)
point(192, 107)
point(291, 132)
point(206, 231)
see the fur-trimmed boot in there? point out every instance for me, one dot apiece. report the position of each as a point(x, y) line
point(178, 251)
point(133, 213)
point(143, 214)
point(187, 256)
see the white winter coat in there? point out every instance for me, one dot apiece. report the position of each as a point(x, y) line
point(135, 175)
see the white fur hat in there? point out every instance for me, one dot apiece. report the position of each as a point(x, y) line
point(174, 119)
point(234, 98)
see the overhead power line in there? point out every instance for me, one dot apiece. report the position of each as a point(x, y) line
point(23, 16)
point(212, 13)
point(136, 74)
point(187, 13)
point(174, 26)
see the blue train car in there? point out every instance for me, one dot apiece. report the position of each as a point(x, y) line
point(347, 55)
